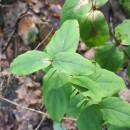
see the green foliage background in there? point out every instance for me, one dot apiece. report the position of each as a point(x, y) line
point(125, 4)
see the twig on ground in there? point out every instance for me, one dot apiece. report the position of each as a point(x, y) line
point(33, 110)
point(44, 39)
point(43, 118)
point(30, 109)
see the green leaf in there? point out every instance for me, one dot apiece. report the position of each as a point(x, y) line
point(122, 32)
point(73, 64)
point(56, 93)
point(93, 27)
point(128, 70)
point(112, 127)
point(56, 101)
point(116, 111)
point(99, 3)
point(75, 9)
point(95, 91)
point(94, 31)
point(73, 108)
point(109, 57)
point(90, 119)
point(55, 79)
point(57, 126)
point(110, 82)
point(65, 39)
point(30, 62)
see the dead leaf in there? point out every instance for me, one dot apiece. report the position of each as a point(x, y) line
point(55, 10)
point(27, 29)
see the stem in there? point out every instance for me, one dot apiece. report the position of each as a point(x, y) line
point(126, 55)
point(44, 39)
point(117, 42)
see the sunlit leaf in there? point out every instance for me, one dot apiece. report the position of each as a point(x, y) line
point(99, 3)
point(65, 39)
point(73, 64)
point(30, 62)
point(75, 9)
point(93, 27)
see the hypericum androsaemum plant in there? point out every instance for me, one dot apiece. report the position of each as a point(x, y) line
point(74, 85)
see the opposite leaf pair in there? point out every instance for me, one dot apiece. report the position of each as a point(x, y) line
point(60, 55)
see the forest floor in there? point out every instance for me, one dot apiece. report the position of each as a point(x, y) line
point(25, 26)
